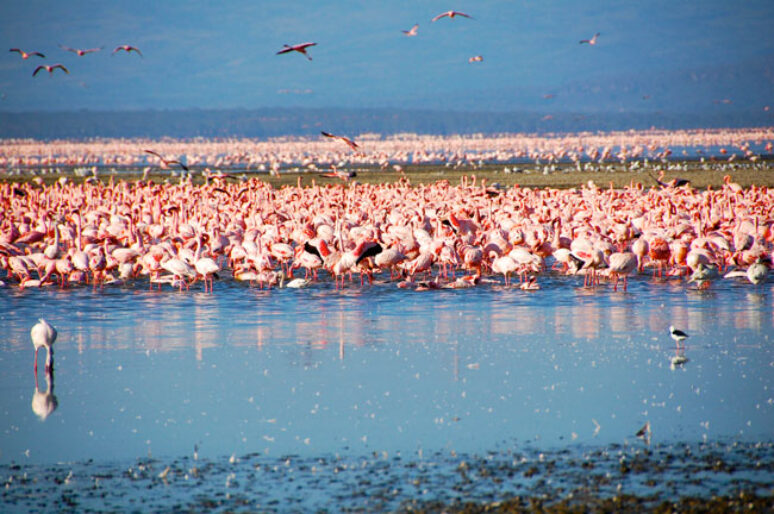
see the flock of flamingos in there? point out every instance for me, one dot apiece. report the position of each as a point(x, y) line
point(440, 235)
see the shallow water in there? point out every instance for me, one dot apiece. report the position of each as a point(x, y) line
point(319, 372)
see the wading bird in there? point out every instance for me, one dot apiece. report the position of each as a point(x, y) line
point(26, 55)
point(300, 48)
point(50, 68)
point(676, 334)
point(476, 58)
point(43, 336)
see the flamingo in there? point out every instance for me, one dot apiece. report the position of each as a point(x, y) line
point(205, 266)
point(756, 273)
point(300, 48)
point(26, 55)
point(79, 51)
point(476, 58)
point(451, 15)
point(127, 49)
point(622, 263)
point(166, 163)
point(44, 403)
point(50, 68)
point(412, 31)
point(43, 336)
point(347, 140)
point(592, 41)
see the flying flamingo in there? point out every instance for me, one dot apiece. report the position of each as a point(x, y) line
point(79, 51)
point(300, 48)
point(412, 31)
point(451, 14)
point(43, 336)
point(165, 163)
point(347, 140)
point(127, 49)
point(26, 55)
point(50, 68)
point(476, 58)
point(343, 175)
point(592, 41)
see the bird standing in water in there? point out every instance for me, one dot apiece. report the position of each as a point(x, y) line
point(676, 334)
point(43, 335)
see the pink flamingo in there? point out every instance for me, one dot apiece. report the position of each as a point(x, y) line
point(347, 140)
point(451, 15)
point(622, 263)
point(127, 49)
point(79, 51)
point(300, 48)
point(26, 55)
point(50, 68)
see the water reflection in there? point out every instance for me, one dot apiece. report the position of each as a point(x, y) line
point(44, 403)
point(319, 370)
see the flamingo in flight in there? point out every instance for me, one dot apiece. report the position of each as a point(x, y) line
point(592, 41)
point(300, 48)
point(50, 68)
point(347, 140)
point(451, 14)
point(26, 55)
point(412, 31)
point(476, 58)
point(127, 49)
point(81, 52)
point(166, 163)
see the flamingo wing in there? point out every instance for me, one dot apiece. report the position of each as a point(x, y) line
point(442, 15)
point(61, 67)
point(41, 67)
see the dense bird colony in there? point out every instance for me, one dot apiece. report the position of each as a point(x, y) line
point(426, 236)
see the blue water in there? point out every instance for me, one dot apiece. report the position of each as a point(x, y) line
point(380, 369)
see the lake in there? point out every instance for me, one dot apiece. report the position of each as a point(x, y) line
point(150, 380)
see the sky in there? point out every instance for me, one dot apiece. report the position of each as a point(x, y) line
point(203, 54)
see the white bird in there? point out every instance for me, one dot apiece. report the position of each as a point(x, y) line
point(44, 402)
point(43, 335)
point(412, 31)
point(756, 273)
point(676, 334)
point(296, 283)
point(592, 41)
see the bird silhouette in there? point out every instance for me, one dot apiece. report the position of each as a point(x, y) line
point(127, 49)
point(81, 52)
point(50, 68)
point(300, 48)
point(26, 55)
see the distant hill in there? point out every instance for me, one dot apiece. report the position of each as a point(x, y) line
point(266, 123)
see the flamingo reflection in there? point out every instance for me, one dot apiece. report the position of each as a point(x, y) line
point(44, 403)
